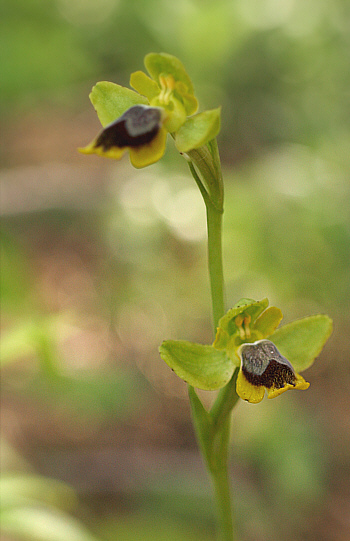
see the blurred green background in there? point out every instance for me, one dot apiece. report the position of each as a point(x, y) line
point(101, 262)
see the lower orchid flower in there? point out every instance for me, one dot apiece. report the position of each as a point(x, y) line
point(247, 338)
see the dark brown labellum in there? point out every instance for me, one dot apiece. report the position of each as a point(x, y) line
point(262, 364)
point(138, 126)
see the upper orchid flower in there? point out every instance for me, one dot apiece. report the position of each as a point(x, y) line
point(139, 121)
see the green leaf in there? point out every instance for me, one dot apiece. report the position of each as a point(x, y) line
point(302, 340)
point(18, 342)
point(111, 101)
point(268, 321)
point(22, 489)
point(201, 366)
point(248, 307)
point(42, 524)
point(198, 130)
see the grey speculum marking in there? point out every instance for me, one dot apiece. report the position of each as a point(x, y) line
point(138, 126)
point(262, 364)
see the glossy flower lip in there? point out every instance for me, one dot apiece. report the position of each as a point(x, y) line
point(139, 129)
point(264, 368)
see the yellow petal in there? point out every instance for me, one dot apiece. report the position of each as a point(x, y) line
point(144, 85)
point(274, 391)
point(247, 391)
point(300, 384)
point(149, 153)
point(114, 153)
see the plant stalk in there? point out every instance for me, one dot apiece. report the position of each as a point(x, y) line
point(216, 275)
point(213, 429)
point(219, 470)
point(221, 484)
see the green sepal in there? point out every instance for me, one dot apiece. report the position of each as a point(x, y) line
point(162, 63)
point(144, 85)
point(111, 101)
point(302, 340)
point(201, 366)
point(248, 307)
point(198, 130)
point(268, 321)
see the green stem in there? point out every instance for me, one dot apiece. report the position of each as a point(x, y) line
point(214, 224)
point(225, 401)
point(214, 228)
point(213, 439)
point(213, 429)
point(221, 484)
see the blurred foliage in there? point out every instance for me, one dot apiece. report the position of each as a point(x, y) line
point(35, 508)
point(100, 263)
point(287, 452)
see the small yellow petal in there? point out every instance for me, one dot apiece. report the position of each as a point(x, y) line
point(114, 153)
point(247, 391)
point(149, 153)
point(144, 85)
point(274, 391)
point(300, 384)
point(89, 149)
